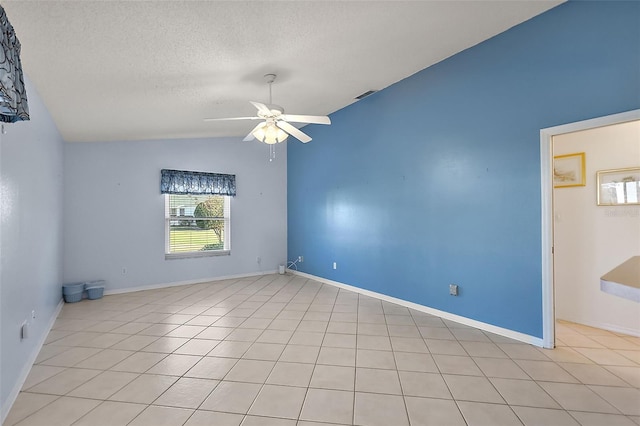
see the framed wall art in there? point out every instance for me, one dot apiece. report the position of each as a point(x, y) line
point(569, 170)
point(618, 187)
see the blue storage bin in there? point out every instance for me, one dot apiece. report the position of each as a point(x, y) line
point(74, 297)
point(72, 288)
point(95, 292)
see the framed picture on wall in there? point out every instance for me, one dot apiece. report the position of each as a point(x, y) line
point(618, 187)
point(569, 170)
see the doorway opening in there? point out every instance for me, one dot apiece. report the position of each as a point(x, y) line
point(547, 204)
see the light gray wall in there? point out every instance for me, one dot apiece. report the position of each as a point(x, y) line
point(30, 239)
point(114, 212)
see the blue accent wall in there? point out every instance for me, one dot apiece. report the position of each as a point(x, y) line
point(436, 179)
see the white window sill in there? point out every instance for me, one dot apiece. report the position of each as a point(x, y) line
point(193, 254)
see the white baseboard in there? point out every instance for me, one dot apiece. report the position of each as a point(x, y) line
point(605, 326)
point(26, 369)
point(188, 282)
point(515, 335)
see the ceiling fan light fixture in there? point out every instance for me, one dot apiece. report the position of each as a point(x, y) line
point(270, 134)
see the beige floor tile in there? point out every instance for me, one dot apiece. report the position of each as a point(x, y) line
point(615, 342)
point(165, 345)
point(308, 338)
point(441, 333)
point(105, 359)
point(264, 351)
point(565, 354)
point(627, 400)
point(291, 374)
point(27, 404)
point(630, 375)
point(139, 362)
point(279, 401)
point(267, 421)
point(342, 327)
point(592, 374)
point(502, 368)
point(577, 397)
point(532, 416)
point(253, 371)
point(162, 416)
point(407, 361)
point(429, 385)
point(232, 397)
point(470, 388)
point(409, 344)
point(244, 335)
point(303, 354)
point(158, 330)
point(144, 389)
point(333, 377)
point(275, 336)
point(598, 419)
point(316, 403)
point(546, 371)
point(451, 364)
point(61, 412)
point(313, 326)
point(130, 328)
point(199, 347)
point(379, 410)
point(335, 340)
point(105, 340)
point(49, 351)
point(483, 349)
point(337, 356)
point(135, 343)
point(523, 392)
point(65, 381)
point(522, 351)
point(470, 335)
point(375, 359)
point(605, 357)
point(40, 373)
point(377, 381)
point(632, 355)
point(175, 365)
point(203, 320)
point(71, 357)
point(483, 414)
point(437, 412)
point(212, 368)
point(110, 413)
point(445, 347)
point(381, 343)
point(375, 329)
point(103, 385)
point(187, 393)
point(209, 418)
point(187, 331)
point(228, 349)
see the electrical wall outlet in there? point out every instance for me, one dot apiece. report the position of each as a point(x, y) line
point(335, 265)
point(453, 289)
point(300, 259)
point(24, 330)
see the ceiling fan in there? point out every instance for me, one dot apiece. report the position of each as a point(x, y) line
point(276, 128)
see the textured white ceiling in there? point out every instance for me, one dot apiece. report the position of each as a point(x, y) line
point(128, 70)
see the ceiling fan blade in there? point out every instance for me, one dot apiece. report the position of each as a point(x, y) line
point(314, 119)
point(262, 108)
point(293, 131)
point(233, 118)
point(250, 136)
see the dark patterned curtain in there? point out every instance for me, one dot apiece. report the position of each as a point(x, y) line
point(13, 97)
point(184, 182)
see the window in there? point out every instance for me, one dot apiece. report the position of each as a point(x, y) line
point(197, 225)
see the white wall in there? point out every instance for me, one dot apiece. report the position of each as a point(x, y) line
point(114, 212)
point(591, 240)
point(30, 240)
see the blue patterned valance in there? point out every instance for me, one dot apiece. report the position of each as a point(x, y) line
point(184, 182)
point(13, 97)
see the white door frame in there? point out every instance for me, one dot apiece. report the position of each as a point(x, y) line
point(546, 185)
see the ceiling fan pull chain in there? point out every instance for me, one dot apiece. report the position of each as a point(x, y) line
point(272, 152)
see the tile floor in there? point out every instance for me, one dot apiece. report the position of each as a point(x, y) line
point(282, 350)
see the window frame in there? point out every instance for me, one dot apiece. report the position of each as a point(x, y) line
point(226, 251)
